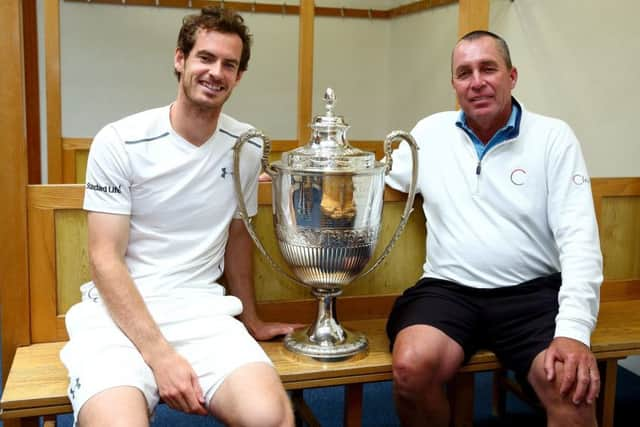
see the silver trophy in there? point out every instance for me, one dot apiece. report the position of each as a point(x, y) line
point(327, 204)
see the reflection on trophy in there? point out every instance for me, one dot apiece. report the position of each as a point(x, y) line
point(327, 203)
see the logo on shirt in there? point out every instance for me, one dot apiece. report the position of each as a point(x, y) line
point(518, 176)
point(579, 179)
point(104, 188)
point(225, 172)
point(74, 387)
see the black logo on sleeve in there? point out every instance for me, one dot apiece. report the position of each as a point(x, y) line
point(74, 387)
point(104, 188)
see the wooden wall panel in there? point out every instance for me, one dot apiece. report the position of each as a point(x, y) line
point(60, 258)
point(472, 15)
point(72, 257)
point(305, 70)
point(54, 102)
point(620, 237)
point(32, 91)
point(14, 294)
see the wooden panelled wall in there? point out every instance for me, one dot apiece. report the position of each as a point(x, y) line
point(67, 156)
point(59, 262)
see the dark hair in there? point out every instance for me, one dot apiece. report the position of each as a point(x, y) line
point(501, 44)
point(214, 19)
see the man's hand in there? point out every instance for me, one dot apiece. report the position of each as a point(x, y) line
point(178, 383)
point(264, 331)
point(580, 369)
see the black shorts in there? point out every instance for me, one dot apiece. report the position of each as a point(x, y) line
point(516, 322)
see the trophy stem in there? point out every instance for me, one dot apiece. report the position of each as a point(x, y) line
point(326, 339)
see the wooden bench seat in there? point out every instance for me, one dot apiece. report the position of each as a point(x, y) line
point(36, 383)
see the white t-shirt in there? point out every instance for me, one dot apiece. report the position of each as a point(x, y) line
point(180, 198)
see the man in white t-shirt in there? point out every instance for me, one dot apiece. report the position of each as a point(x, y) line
point(163, 224)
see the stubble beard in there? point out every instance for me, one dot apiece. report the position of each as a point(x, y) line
point(209, 106)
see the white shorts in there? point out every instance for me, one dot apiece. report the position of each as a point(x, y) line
point(202, 329)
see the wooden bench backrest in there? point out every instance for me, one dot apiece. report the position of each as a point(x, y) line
point(58, 259)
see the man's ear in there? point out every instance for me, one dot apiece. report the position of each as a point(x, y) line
point(514, 77)
point(178, 60)
point(239, 76)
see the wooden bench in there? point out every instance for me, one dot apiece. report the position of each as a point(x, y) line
point(37, 381)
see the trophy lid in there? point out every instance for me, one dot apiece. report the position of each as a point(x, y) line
point(328, 149)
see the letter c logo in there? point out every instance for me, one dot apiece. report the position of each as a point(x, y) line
point(518, 176)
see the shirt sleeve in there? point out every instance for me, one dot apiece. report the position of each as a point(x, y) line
point(573, 223)
point(108, 184)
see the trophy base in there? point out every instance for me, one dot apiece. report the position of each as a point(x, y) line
point(353, 345)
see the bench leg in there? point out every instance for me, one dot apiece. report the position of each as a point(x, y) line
point(499, 404)
point(460, 392)
point(301, 411)
point(353, 405)
point(606, 402)
point(49, 421)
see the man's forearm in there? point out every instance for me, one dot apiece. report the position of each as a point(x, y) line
point(128, 309)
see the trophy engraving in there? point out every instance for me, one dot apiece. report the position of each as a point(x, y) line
point(327, 211)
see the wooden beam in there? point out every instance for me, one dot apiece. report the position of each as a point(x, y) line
point(14, 295)
point(281, 8)
point(31, 89)
point(54, 103)
point(417, 6)
point(305, 70)
point(472, 15)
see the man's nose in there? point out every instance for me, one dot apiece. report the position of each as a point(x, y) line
point(215, 68)
point(477, 80)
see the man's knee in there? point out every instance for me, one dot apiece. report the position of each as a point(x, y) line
point(98, 410)
point(420, 364)
point(253, 396)
point(560, 408)
point(274, 412)
point(411, 367)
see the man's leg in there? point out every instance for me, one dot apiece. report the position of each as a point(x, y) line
point(252, 395)
point(561, 411)
point(118, 406)
point(424, 360)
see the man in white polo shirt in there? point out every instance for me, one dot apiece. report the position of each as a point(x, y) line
point(513, 256)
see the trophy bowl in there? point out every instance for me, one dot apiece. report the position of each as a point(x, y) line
point(327, 207)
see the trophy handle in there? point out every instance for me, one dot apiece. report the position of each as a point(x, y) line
point(408, 207)
point(269, 170)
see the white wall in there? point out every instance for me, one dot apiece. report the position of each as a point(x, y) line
point(574, 58)
point(578, 60)
point(118, 60)
point(419, 66)
point(351, 56)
